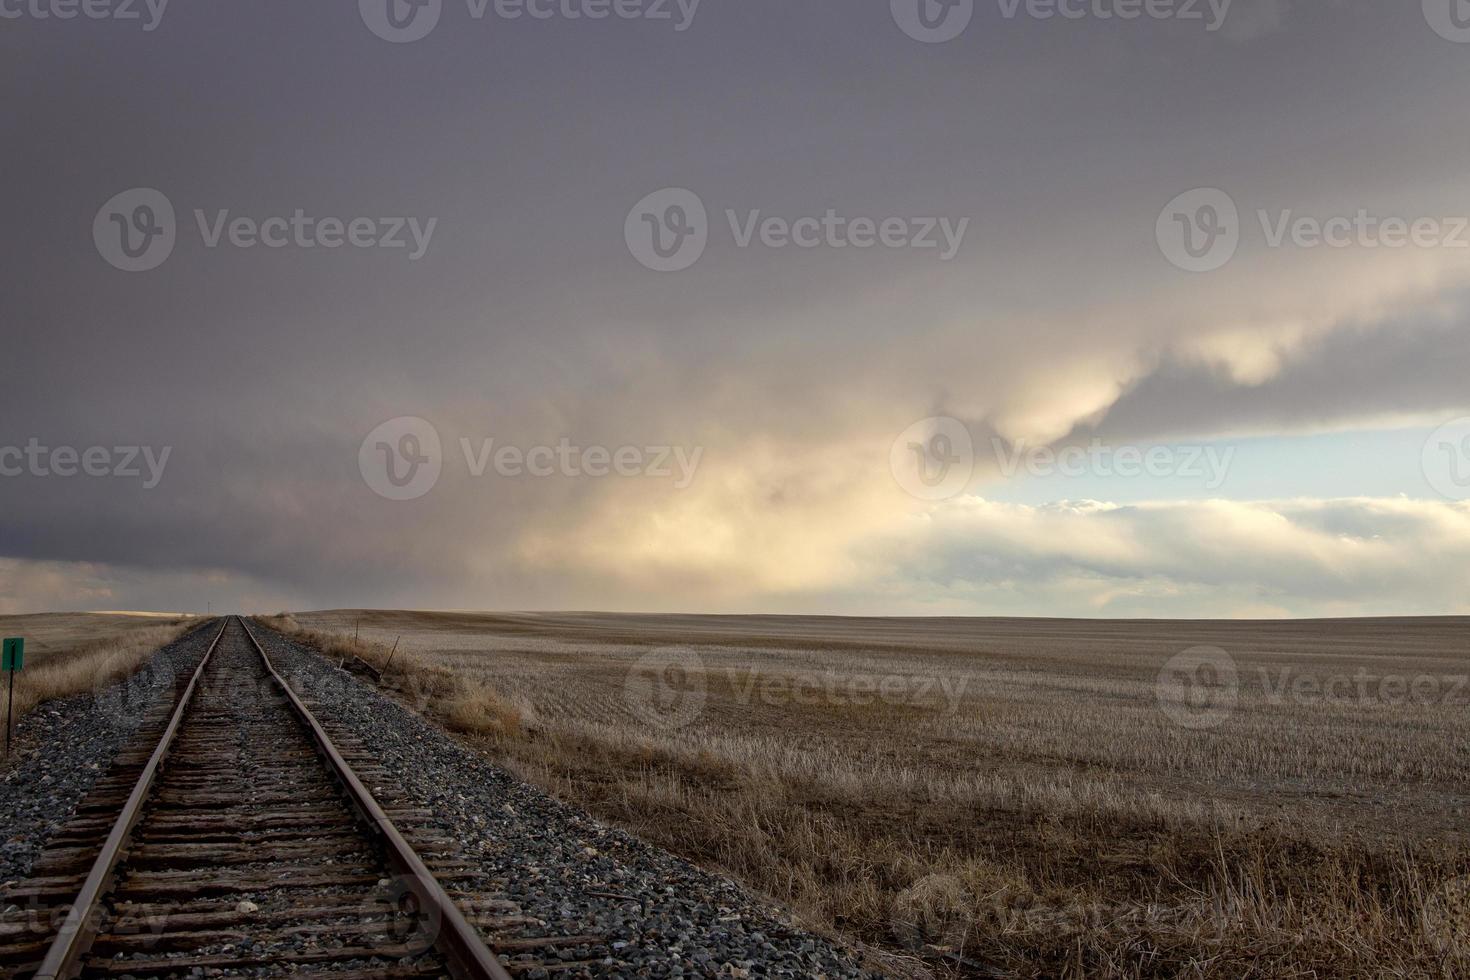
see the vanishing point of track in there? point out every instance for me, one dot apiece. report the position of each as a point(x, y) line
point(245, 794)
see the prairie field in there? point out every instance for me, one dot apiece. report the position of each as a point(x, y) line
point(70, 653)
point(992, 797)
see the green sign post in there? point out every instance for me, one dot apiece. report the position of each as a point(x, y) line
point(12, 658)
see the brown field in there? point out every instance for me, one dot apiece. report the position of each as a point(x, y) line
point(1005, 797)
point(69, 653)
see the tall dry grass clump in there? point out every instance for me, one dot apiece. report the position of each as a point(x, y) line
point(91, 666)
point(464, 704)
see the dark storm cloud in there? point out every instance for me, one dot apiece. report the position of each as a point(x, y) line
point(1408, 368)
point(527, 319)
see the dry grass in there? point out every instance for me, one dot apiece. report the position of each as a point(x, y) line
point(464, 704)
point(1021, 804)
point(71, 654)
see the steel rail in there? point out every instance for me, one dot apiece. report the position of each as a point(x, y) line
point(74, 939)
point(469, 958)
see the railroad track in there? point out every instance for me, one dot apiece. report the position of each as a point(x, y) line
point(246, 841)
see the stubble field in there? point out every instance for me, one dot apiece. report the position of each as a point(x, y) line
point(71, 653)
point(1004, 797)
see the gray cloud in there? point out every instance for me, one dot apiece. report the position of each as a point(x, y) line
point(1406, 367)
point(529, 321)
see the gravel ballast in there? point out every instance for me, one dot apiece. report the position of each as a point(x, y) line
point(62, 747)
point(658, 915)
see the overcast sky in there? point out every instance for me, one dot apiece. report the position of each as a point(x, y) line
point(1039, 329)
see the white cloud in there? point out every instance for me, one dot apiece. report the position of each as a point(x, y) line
point(1195, 558)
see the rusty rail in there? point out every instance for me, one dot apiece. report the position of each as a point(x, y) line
point(466, 955)
point(469, 958)
point(72, 941)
